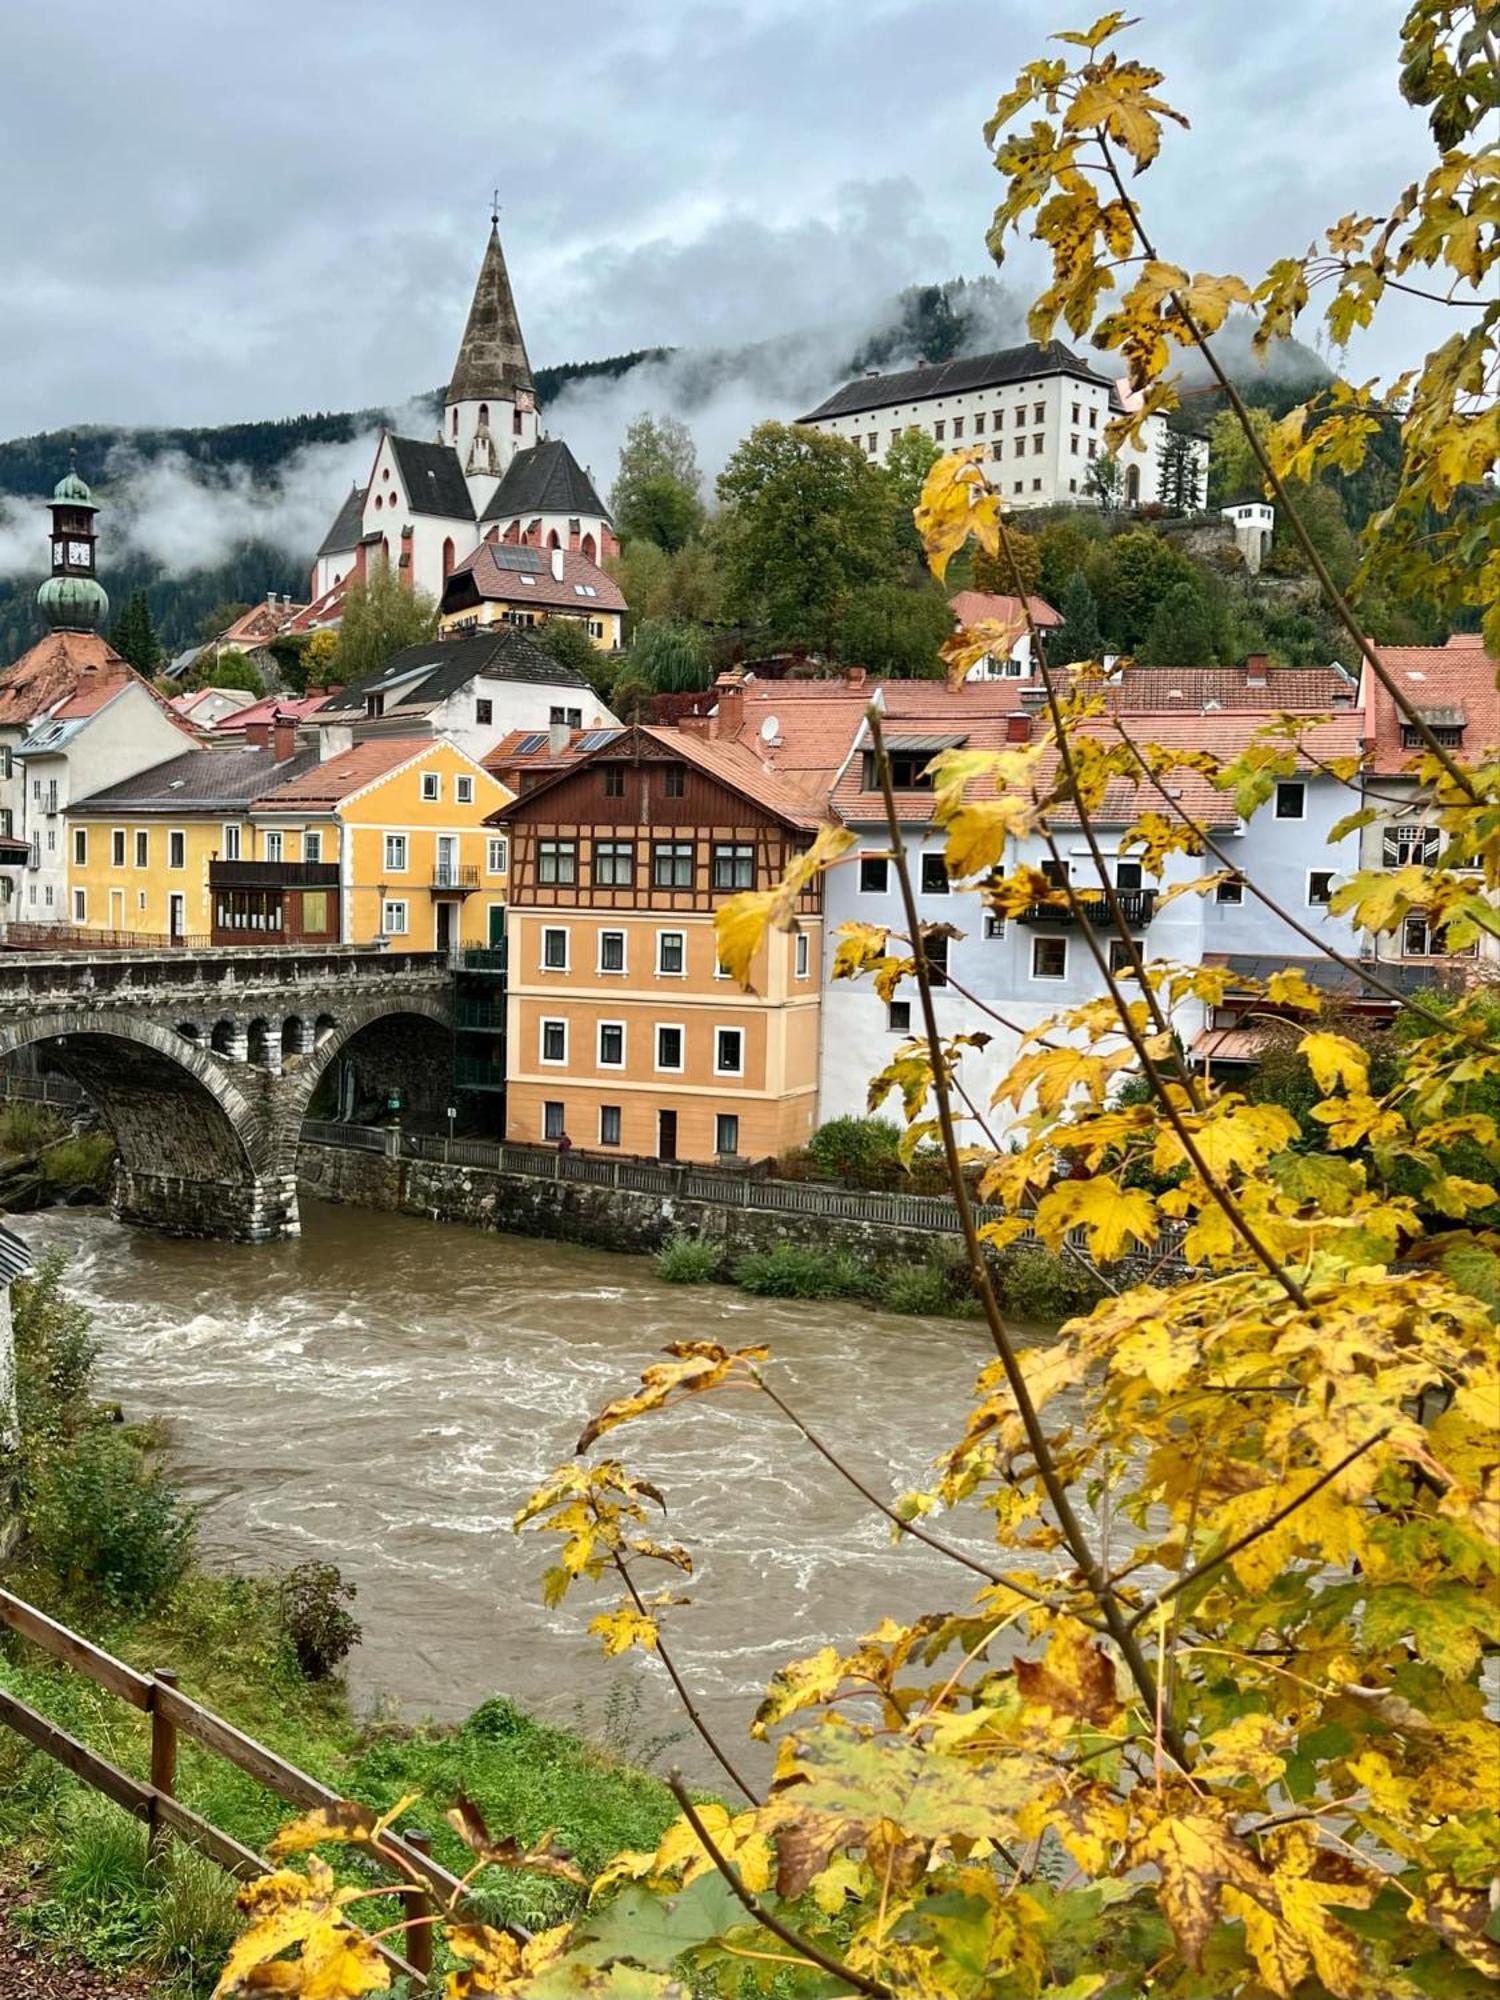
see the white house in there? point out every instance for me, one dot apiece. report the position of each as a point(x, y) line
point(489, 475)
point(1015, 662)
point(1039, 413)
point(1254, 522)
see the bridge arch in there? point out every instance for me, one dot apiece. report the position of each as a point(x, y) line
point(407, 1038)
point(196, 1157)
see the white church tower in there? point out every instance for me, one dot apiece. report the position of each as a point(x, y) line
point(489, 413)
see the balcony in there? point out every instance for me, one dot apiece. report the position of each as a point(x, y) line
point(273, 875)
point(1136, 907)
point(454, 878)
point(483, 958)
point(478, 1073)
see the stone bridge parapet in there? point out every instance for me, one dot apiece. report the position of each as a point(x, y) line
point(203, 1063)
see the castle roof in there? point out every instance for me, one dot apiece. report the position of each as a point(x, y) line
point(955, 378)
point(492, 361)
point(546, 479)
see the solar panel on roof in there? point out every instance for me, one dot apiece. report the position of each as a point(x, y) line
point(511, 555)
point(595, 739)
point(532, 741)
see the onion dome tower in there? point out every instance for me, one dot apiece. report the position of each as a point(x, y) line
point(72, 599)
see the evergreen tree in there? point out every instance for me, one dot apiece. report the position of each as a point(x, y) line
point(133, 635)
point(1079, 638)
point(567, 640)
point(1178, 481)
point(1182, 630)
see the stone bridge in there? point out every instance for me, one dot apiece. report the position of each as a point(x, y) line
point(203, 1064)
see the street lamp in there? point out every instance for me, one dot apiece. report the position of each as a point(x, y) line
point(452, 1118)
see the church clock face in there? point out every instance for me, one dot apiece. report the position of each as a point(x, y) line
point(78, 552)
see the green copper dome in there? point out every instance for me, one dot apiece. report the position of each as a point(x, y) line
point(73, 603)
point(70, 491)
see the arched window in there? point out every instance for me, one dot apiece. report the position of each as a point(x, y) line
point(455, 423)
point(552, 540)
point(484, 416)
point(1133, 486)
point(448, 554)
point(588, 549)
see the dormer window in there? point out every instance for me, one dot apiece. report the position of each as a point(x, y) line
point(374, 705)
point(1445, 724)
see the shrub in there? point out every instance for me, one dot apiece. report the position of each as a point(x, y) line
point(1037, 1284)
point(791, 1271)
point(26, 1128)
point(916, 1288)
point(858, 1149)
point(321, 1632)
point(85, 1160)
point(108, 1523)
point(683, 1260)
point(55, 1351)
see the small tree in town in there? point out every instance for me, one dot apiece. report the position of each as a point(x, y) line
point(1105, 481)
point(380, 617)
point(1208, 1713)
point(1182, 632)
point(229, 669)
point(568, 642)
point(133, 635)
point(669, 656)
point(655, 497)
point(1079, 638)
point(1179, 482)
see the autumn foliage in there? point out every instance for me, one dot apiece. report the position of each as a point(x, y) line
point(1209, 1717)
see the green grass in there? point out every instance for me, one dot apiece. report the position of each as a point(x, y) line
point(683, 1260)
point(793, 1271)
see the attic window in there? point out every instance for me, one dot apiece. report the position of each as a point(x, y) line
point(908, 771)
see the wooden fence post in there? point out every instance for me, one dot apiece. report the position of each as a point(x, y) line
point(163, 1762)
point(417, 1946)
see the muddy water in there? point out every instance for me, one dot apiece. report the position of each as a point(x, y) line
point(385, 1391)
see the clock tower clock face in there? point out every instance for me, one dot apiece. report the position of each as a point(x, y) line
point(78, 552)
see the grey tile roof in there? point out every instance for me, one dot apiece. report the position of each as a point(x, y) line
point(547, 479)
point(217, 778)
point(954, 378)
point(433, 478)
point(502, 655)
point(344, 534)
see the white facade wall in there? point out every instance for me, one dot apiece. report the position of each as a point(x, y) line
point(1035, 461)
point(514, 705)
point(1000, 971)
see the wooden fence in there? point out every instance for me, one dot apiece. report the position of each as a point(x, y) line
point(172, 1715)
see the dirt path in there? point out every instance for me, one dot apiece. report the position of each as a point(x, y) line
point(31, 1971)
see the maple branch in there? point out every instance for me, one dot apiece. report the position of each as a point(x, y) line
point(720, 1754)
point(1192, 1576)
point(748, 1900)
point(1057, 1493)
point(1335, 597)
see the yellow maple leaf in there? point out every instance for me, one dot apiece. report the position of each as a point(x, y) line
point(1334, 1059)
point(624, 1628)
point(741, 924)
point(1112, 1215)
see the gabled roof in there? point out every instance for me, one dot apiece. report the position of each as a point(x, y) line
point(266, 620)
point(335, 778)
point(955, 378)
point(270, 708)
point(492, 361)
point(203, 780)
point(1459, 675)
point(347, 522)
point(978, 607)
point(433, 478)
point(439, 667)
point(513, 572)
point(546, 479)
point(49, 671)
point(1164, 690)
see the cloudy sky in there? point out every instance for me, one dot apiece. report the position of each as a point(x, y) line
point(219, 211)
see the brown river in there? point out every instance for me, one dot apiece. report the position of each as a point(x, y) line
point(385, 1391)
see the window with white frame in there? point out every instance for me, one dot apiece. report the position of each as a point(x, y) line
point(726, 1133)
point(609, 1124)
point(177, 850)
point(495, 854)
point(395, 854)
point(874, 874)
point(393, 917)
point(554, 1042)
point(80, 906)
point(1291, 799)
point(803, 959)
point(1403, 846)
point(432, 787)
point(669, 1045)
point(729, 1052)
point(611, 1045)
point(231, 838)
point(1230, 890)
point(611, 951)
point(143, 850)
point(671, 954)
point(312, 845)
point(898, 1017)
point(1049, 958)
point(934, 875)
point(936, 948)
point(557, 863)
point(463, 791)
point(117, 847)
point(733, 864)
point(1420, 939)
point(1319, 887)
point(554, 1124)
point(275, 846)
point(554, 948)
point(80, 847)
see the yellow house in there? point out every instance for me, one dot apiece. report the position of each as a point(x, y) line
point(276, 843)
point(513, 583)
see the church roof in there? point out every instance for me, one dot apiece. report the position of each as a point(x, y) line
point(492, 363)
point(345, 532)
point(433, 478)
point(546, 479)
point(953, 378)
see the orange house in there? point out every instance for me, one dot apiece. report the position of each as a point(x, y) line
point(623, 1032)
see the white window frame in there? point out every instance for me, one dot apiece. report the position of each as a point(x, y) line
point(613, 972)
point(1049, 978)
point(392, 925)
point(312, 843)
point(432, 788)
point(80, 847)
point(80, 906)
point(229, 836)
point(119, 847)
point(1315, 903)
point(463, 790)
point(661, 971)
point(178, 835)
point(1286, 784)
point(728, 1028)
point(552, 1021)
point(669, 1069)
point(802, 956)
point(141, 847)
point(275, 844)
point(497, 854)
point(1230, 902)
point(397, 852)
point(556, 930)
point(599, 1060)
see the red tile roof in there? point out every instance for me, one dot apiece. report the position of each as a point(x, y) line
point(263, 621)
point(583, 587)
point(336, 777)
point(1160, 690)
point(49, 672)
point(977, 607)
point(1460, 675)
point(267, 710)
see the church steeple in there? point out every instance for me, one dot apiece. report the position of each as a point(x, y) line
point(492, 363)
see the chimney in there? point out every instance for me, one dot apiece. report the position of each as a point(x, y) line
point(258, 735)
point(557, 565)
point(695, 725)
point(729, 695)
point(872, 374)
point(1255, 670)
point(1018, 728)
point(283, 737)
point(335, 739)
point(855, 677)
point(557, 738)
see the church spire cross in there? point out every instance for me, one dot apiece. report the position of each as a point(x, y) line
point(492, 363)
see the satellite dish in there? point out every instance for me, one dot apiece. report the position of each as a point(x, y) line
point(770, 729)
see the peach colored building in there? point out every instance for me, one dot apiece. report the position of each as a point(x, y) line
point(623, 1032)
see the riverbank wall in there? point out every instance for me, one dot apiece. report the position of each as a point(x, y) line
point(633, 1222)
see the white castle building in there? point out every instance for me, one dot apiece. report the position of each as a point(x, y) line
point(1038, 412)
point(491, 474)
